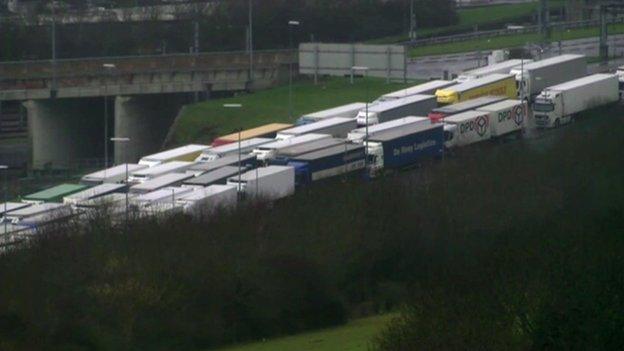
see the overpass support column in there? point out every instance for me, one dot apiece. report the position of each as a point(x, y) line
point(64, 133)
point(146, 120)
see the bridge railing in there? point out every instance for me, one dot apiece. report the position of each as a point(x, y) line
point(171, 63)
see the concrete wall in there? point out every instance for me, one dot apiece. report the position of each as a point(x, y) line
point(65, 132)
point(145, 120)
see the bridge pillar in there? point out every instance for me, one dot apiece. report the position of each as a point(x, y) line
point(145, 119)
point(63, 132)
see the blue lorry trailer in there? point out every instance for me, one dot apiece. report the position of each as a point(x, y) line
point(401, 148)
point(327, 163)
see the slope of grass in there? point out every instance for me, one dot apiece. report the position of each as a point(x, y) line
point(354, 336)
point(476, 16)
point(508, 41)
point(204, 121)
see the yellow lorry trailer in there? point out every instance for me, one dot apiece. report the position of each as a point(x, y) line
point(493, 84)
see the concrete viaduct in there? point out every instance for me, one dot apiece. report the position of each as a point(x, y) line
point(66, 101)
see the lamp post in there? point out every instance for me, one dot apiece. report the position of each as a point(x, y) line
point(53, 86)
point(107, 67)
point(365, 70)
point(291, 24)
point(5, 170)
point(239, 129)
point(250, 43)
point(125, 142)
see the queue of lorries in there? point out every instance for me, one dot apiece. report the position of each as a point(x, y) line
point(397, 130)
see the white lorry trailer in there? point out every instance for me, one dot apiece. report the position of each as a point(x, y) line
point(245, 147)
point(268, 151)
point(182, 153)
point(144, 175)
point(466, 128)
point(532, 78)
point(428, 88)
point(506, 117)
point(206, 200)
point(497, 68)
point(270, 183)
point(348, 111)
point(167, 180)
point(358, 135)
point(337, 127)
point(415, 105)
point(116, 174)
point(166, 196)
point(558, 104)
point(93, 193)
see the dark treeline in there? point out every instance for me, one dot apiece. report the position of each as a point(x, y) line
point(226, 28)
point(510, 246)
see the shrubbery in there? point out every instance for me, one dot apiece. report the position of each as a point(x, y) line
point(225, 29)
point(509, 246)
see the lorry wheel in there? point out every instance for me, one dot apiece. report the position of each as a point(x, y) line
point(557, 123)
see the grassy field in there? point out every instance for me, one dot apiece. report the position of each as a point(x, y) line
point(477, 16)
point(354, 336)
point(508, 41)
point(204, 121)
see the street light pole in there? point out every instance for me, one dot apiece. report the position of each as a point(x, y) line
point(239, 130)
point(53, 88)
point(125, 141)
point(365, 70)
point(251, 65)
point(5, 169)
point(108, 67)
point(290, 68)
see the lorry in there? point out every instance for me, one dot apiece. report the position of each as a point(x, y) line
point(428, 88)
point(466, 128)
point(358, 135)
point(334, 161)
point(144, 175)
point(245, 160)
point(245, 147)
point(38, 214)
point(93, 193)
point(558, 104)
point(620, 73)
point(438, 114)
point(534, 77)
point(116, 174)
point(400, 148)
point(267, 151)
point(337, 127)
point(217, 176)
point(182, 153)
point(282, 157)
point(415, 105)
point(264, 131)
point(54, 194)
point(506, 117)
point(500, 68)
point(269, 183)
point(493, 84)
point(166, 196)
point(166, 180)
point(348, 111)
point(204, 201)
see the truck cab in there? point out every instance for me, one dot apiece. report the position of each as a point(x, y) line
point(521, 82)
point(363, 119)
point(548, 110)
point(620, 75)
point(375, 157)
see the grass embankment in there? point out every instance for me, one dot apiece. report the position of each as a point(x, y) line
point(204, 121)
point(509, 41)
point(354, 336)
point(471, 18)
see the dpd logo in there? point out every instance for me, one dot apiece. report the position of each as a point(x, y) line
point(481, 125)
point(518, 114)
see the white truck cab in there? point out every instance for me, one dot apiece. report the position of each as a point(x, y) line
point(548, 110)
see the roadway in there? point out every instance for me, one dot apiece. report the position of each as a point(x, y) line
point(434, 66)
